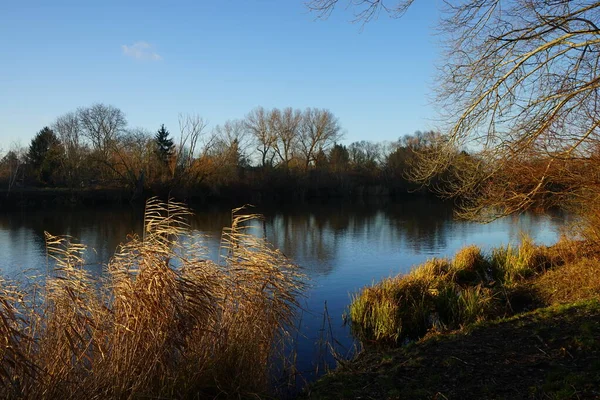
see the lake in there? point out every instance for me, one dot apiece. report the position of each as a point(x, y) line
point(340, 246)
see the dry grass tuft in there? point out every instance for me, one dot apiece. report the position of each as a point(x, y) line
point(513, 264)
point(164, 322)
point(469, 265)
point(575, 281)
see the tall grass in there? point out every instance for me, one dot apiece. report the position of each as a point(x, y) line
point(164, 321)
point(512, 264)
point(469, 265)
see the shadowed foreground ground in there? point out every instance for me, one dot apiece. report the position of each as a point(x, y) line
point(550, 353)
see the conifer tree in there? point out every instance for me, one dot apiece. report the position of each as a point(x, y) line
point(44, 154)
point(164, 144)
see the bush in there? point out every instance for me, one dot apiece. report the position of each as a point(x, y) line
point(429, 297)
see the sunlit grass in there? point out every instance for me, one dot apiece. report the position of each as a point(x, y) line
point(512, 264)
point(469, 265)
point(441, 295)
point(576, 280)
point(164, 322)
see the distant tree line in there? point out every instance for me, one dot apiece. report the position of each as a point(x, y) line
point(277, 153)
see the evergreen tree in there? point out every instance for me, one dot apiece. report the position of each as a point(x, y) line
point(44, 154)
point(321, 160)
point(164, 144)
point(339, 158)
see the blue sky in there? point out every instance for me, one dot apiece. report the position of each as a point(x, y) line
point(217, 59)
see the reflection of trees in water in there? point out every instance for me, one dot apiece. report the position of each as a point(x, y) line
point(535, 225)
point(313, 235)
point(208, 224)
point(420, 224)
point(211, 220)
point(101, 230)
point(301, 237)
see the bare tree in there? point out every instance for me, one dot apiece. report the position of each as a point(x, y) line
point(260, 125)
point(365, 154)
point(11, 165)
point(520, 84)
point(102, 125)
point(68, 129)
point(191, 129)
point(286, 124)
point(228, 152)
point(133, 158)
point(231, 142)
point(318, 131)
point(364, 10)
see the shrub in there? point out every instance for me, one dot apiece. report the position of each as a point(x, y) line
point(406, 307)
point(444, 295)
point(400, 307)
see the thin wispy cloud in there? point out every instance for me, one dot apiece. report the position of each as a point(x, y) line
point(141, 51)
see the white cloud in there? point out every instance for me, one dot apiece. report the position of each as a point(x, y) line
point(141, 51)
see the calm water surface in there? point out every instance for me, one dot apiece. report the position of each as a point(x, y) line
point(341, 247)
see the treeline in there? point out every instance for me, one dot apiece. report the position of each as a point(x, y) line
point(268, 154)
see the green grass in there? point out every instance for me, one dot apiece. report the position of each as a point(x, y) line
point(399, 307)
point(469, 265)
point(442, 295)
point(511, 265)
point(437, 295)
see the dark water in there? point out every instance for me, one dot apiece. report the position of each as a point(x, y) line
point(341, 247)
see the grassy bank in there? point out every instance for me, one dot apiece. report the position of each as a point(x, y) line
point(443, 295)
point(164, 322)
point(516, 322)
point(550, 353)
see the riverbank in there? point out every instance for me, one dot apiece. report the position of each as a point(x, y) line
point(552, 352)
point(549, 348)
point(35, 198)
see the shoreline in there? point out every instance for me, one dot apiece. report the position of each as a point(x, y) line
point(31, 197)
point(531, 331)
point(551, 352)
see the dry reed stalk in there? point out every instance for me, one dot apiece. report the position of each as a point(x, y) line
point(163, 322)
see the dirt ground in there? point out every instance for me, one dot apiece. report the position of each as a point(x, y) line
point(551, 353)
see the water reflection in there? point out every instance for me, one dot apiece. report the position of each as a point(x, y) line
point(101, 230)
point(315, 236)
point(341, 247)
